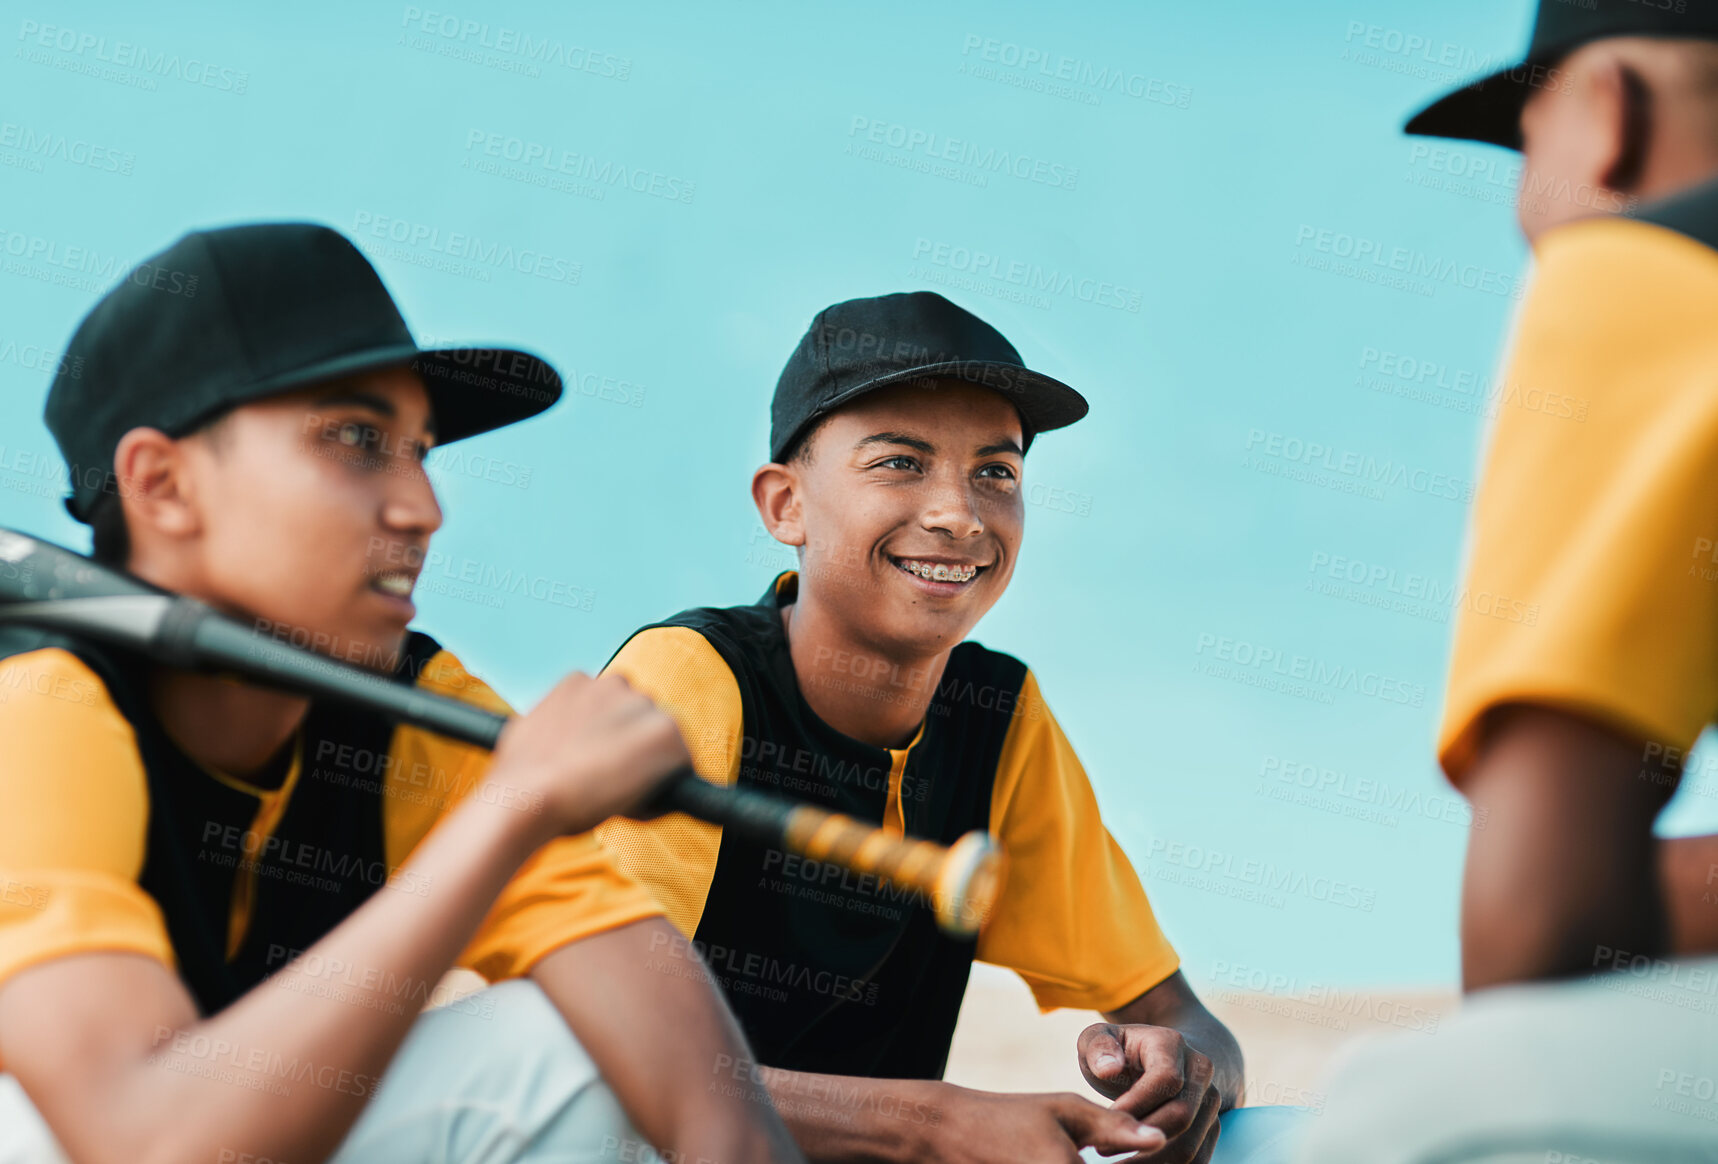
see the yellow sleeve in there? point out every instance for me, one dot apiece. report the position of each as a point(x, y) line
point(72, 832)
point(676, 856)
point(1073, 919)
point(568, 890)
point(1592, 577)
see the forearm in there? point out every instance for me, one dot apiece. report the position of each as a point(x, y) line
point(843, 1119)
point(1543, 911)
point(285, 1071)
point(666, 1044)
point(1688, 878)
point(1566, 866)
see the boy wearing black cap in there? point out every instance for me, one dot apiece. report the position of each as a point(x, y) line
point(197, 961)
point(1569, 736)
point(898, 436)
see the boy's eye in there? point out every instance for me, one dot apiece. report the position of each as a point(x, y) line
point(898, 462)
point(357, 436)
point(1001, 472)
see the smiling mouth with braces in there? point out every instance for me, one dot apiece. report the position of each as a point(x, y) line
point(937, 571)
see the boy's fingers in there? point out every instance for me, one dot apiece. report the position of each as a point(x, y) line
point(1103, 1058)
point(1161, 1076)
point(1107, 1130)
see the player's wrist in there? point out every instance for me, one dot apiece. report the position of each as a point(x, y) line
point(913, 1127)
point(516, 811)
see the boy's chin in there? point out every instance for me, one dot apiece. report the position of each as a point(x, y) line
point(378, 652)
point(368, 648)
point(924, 632)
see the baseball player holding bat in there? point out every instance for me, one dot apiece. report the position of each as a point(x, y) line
point(223, 906)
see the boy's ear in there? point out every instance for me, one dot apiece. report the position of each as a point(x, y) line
point(1619, 109)
point(154, 484)
point(775, 491)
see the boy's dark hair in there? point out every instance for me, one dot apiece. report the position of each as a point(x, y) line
point(112, 543)
point(799, 452)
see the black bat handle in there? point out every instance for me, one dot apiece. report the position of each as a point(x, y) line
point(192, 635)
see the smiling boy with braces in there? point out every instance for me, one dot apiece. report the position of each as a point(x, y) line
point(899, 431)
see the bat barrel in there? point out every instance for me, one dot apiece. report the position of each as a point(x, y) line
point(959, 884)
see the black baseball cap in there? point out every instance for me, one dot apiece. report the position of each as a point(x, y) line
point(1489, 109)
point(223, 317)
point(865, 344)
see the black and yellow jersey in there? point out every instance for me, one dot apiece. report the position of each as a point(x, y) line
point(112, 838)
point(1592, 577)
point(833, 972)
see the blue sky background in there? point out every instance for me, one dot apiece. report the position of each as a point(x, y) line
point(1159, 527)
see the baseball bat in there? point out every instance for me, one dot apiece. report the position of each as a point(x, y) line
point(48, 586)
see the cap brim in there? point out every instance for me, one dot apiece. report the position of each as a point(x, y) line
point(471, 390)
point(1043, 402)
point(474, 390)
point(1488, 110)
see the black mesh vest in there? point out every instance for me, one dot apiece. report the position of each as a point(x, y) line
point(325, 858)
point(827, 971)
